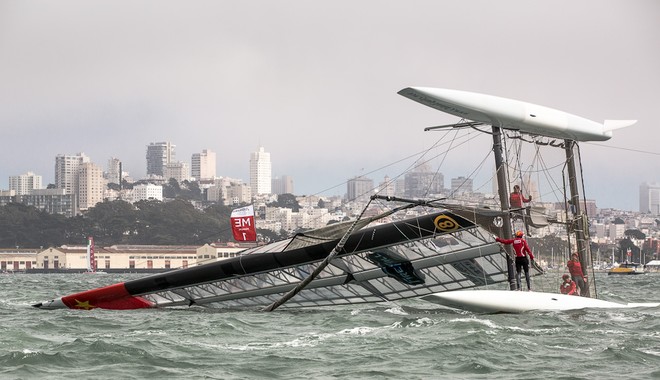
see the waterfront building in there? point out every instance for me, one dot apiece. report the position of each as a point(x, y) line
point(260, 172)
point(159, 154)
point(127, 258)
point(25, 183)
point(17, 259)
point(202, 165)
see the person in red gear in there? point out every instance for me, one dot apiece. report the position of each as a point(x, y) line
point(516, 198)
point(577, 275)
point(522, 254)
point(568, 286)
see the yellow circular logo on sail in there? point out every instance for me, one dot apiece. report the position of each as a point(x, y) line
point(445, 223)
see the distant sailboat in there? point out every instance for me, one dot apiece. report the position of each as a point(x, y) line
point(91, 259)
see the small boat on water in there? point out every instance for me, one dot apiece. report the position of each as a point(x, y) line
point(627, 268)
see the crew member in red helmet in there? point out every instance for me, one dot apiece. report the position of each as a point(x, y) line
point(522, 254)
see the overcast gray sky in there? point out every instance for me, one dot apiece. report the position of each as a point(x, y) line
point(316, 82)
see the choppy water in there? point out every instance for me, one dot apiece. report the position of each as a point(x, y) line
point(411, 340)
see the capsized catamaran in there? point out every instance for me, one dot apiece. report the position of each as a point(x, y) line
point(414, 257)
point(532, 120)
point(383, 258)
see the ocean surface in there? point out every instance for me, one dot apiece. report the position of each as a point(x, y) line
point(408, 340)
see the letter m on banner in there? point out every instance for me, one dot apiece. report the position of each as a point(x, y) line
point(242, 224)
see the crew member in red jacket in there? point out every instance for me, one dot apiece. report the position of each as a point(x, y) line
point(568, 286)
point(575, 269)
point(517, 198)
point(522, 252)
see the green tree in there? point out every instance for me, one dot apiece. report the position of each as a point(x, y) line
point(286, 201)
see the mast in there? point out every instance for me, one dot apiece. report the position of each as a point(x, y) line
point(504, 202)
point(580, 223)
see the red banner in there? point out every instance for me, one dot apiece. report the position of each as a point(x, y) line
point(242, 224)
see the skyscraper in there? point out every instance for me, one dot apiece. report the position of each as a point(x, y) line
point(649, 198)
point(24, 183)
point(177, 170)
point(282, 185)
point(359, 188)
point(66, 171)
point(422, 181)
point(114, 171)
point(461, 185)
point(158, 156)
point(203, 165)
point(260, 172)
point(90, 185)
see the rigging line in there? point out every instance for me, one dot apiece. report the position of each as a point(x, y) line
point(428, 188)
point(335, 251)
point(412, 166)
point(481, 164)
point(568, 234)
point(585, 220)
point(627, 149)
point(550, 180)
point(468, 139)
point(377, 169)
point(416, 163)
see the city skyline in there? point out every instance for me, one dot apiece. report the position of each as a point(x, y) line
point(317, 85)
point(645, 189)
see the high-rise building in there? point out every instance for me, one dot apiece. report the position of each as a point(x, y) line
point(114, 173)
point(53, 201)
point(177, 170)
point(282, 185)
point(260, 172)
point(158, 156)
point(359, 188)
point(649, 198)
point(91, 185)
point(422, 181)
point(461, 185)
point(203, 165)
point(387, 187)
point(66, 171)
point(25, 183)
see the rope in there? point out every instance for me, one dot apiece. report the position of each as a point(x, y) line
point(335, 251)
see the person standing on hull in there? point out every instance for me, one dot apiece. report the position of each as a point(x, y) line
point(577, 275)
point(522, 253)
point(516, 199)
